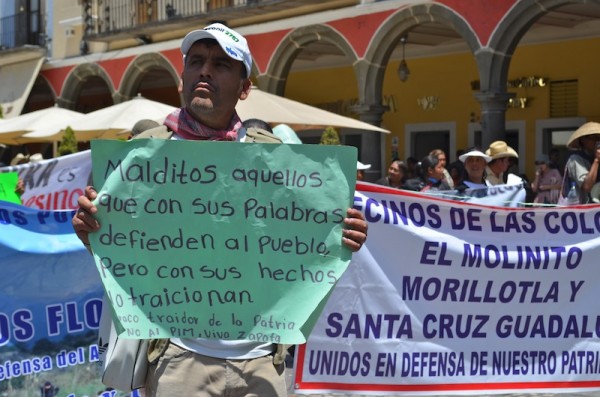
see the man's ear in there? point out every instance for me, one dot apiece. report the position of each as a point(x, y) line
point(246, 86)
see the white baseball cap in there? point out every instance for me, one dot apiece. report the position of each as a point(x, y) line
point(360, 166)
point(233, 43)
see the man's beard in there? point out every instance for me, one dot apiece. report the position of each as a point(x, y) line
point(201, 105)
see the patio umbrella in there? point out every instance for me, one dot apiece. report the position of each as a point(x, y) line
point(275, 109)
point(106, 123)
point(12, 129)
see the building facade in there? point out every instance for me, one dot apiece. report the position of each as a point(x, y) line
point(446, 74)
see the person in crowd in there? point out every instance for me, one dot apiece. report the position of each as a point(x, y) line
point(257, 123)
point(360, 170)
point(547, 182)
point(412, 166)
point(3, 151)
point(216, 71)
point(286, 134)
point(431, 176)
point(396, 175)
point(19, 159)
point(141, 126)
point(456, 171)
point(500, 153)
point(582, 165)
point(554, 160)
point(441, 156)
point(475, 162)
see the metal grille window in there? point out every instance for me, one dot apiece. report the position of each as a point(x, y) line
point(563, 98)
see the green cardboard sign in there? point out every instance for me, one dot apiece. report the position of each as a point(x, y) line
point(8, 184)
point(220, 240)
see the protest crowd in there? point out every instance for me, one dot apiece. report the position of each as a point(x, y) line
point(229, 366)
point(574, 181)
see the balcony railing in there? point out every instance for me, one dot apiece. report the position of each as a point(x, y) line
point(111, 19)
point(21, 29)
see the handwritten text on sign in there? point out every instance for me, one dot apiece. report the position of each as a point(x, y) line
point(220, 239)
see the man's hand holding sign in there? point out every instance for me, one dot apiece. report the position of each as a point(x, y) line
point(213, 248)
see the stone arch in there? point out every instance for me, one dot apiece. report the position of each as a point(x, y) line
point(76, 78)
point(281, 62)
point(495, 60)
point(138, 68)
point(371, 68)
point(42, 94)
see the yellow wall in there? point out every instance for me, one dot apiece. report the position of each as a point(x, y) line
point(448, 77)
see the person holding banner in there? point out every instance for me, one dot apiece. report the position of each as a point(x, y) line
point(500, 153)
point(475, 162)
point(441, 156)
point(431, 176)
point(582, 165)
point(396, 175)
point(217, 66)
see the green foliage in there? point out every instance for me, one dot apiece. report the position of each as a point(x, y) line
point(1, 112)
point(330, 137)
point(68, 144)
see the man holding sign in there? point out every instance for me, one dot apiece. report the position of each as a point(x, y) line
point(217, 66)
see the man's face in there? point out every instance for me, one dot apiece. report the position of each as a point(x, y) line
point(475, 165)
point(212, 83)
point(588, 142)
point(503, 164)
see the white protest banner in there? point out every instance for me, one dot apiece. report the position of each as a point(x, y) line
point(448, 297)
point(54, 184)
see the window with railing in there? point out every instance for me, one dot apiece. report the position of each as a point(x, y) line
point(105, 16)
point(21, 29)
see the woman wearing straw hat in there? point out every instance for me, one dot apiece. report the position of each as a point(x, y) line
point(582, 165)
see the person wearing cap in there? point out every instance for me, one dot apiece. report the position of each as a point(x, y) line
point(500, 154)
point(475, 162)
point(547, 182)
point(216, 71)
point(582, 165)
point(20, 158)
point(360, 170)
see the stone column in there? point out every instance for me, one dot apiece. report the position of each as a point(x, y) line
point(371, 141)
point(493, 115)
